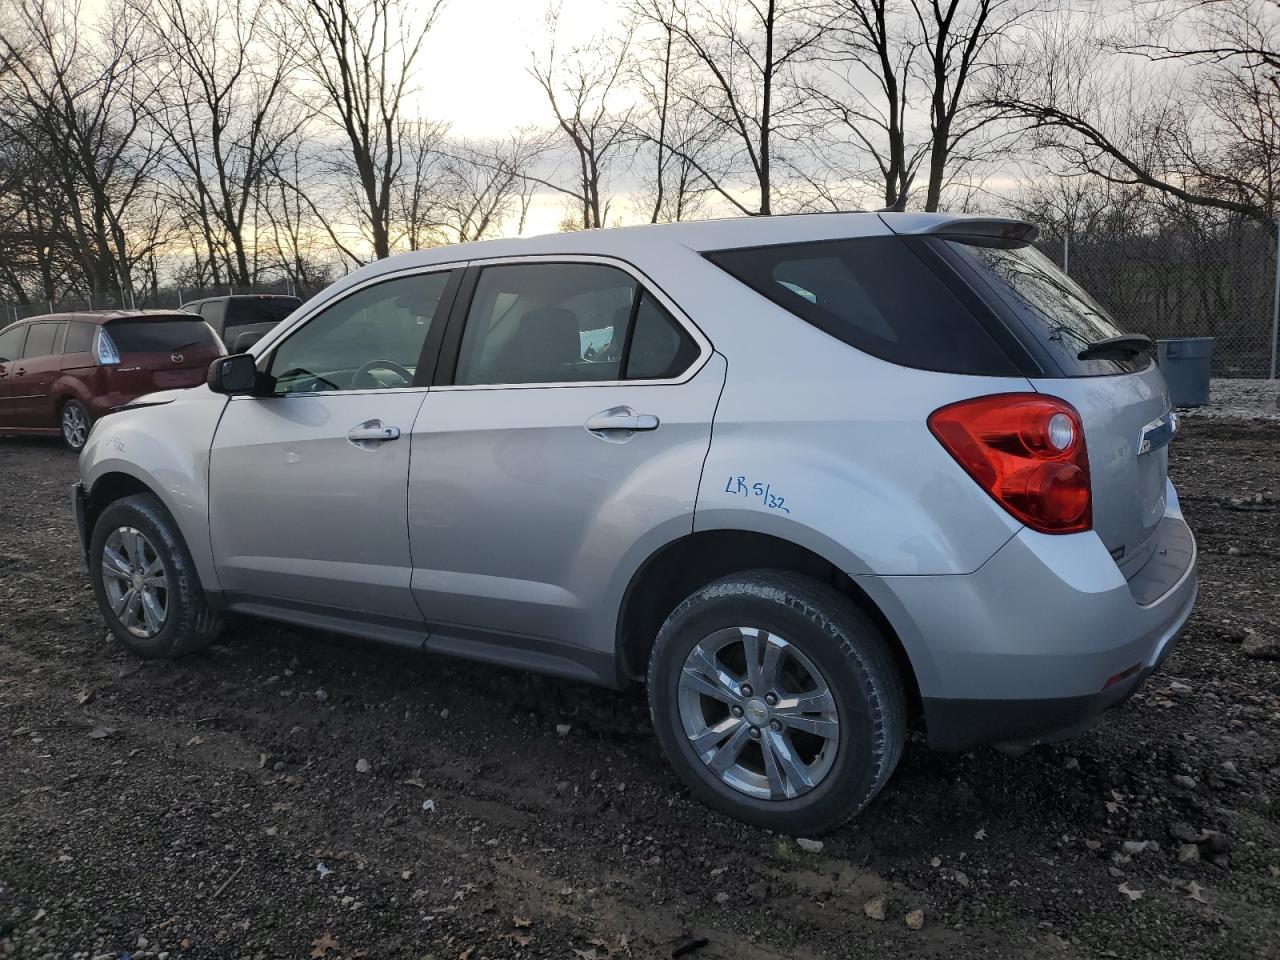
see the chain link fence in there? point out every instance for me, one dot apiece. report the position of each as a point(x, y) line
point(163, 298)
point(1188, 283)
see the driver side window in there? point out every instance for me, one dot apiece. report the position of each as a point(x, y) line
point(370, 340)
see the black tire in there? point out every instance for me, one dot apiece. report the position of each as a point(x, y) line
point(188, 625)
point(74, 438)
point(857, 667)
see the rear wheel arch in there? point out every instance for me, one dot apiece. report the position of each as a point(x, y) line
point(679, 568)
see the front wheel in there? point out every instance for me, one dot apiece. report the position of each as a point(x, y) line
point(145, 581)
point(75, 423)
point(777, 701)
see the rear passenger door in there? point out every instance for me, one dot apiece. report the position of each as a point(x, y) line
point(561, 443)
point(32, 379)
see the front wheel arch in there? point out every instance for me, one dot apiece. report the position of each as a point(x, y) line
point(106, 490)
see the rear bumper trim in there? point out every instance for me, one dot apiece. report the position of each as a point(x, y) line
point(963, 724)
point(82, 515)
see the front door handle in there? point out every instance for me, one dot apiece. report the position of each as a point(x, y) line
point(372, 431)
point(622, 418)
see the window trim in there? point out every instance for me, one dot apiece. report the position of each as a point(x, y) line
point(428, 358)
point(447, 364)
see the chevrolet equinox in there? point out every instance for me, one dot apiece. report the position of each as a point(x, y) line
point(808, 478)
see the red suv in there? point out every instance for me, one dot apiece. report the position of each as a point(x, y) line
point(59, 373)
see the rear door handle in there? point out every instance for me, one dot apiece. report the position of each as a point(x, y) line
point(622, 418)
point(372, 431)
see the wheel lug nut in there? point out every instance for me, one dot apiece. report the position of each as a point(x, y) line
point(746, 690)
point(775, 726)
point(755, 733)
point(771, 700)
point(736, 710)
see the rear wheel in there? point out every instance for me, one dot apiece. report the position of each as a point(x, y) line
point(146, 583)
point(777, 701)
point(75, 423)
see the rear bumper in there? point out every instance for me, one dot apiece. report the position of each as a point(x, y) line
point(962, 724)
point(1040, 641)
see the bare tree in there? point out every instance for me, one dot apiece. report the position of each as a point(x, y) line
point(220, 106)
point(295, 228)
point(904, 82)
point(863, 97)
point(675, 135)
point(360, 54)
point(961, 47)
point(746, 86)
point(582, 87)
point(75, 99)
point(486, 186)
point(1198, 121)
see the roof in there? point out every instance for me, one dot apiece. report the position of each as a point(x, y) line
point(244, 296)
point(696, 235)
point(103, 316)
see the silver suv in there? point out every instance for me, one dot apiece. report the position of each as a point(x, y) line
point(809, 478)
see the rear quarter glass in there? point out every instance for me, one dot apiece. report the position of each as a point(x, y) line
point(1050, 308)
point(876, 294)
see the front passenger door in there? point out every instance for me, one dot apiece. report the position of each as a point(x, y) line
point(11, 341)
point(307, 483)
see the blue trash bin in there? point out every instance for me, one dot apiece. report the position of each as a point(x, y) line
point(1185, 364)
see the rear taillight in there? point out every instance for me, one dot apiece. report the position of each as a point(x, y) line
point(1027, 451)
point(104, 349)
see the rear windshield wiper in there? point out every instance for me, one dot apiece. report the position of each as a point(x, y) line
point(1124, 347)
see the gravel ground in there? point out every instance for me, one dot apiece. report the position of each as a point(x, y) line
point(1240, 399)
point(291, 794)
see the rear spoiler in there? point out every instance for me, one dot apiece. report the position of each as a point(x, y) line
point(989, 230)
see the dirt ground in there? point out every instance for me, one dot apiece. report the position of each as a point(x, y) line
point(291, 794)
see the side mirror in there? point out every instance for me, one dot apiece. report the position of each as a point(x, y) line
point(245, 341)
point(236, 374)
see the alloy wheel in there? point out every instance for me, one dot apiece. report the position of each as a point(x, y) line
point(75, 425)
point(134, 577)
point(758, 713)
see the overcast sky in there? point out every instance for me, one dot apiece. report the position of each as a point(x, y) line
point(475, 69)
point(474, 73)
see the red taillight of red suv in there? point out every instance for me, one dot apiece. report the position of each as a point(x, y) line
point(1027, 451)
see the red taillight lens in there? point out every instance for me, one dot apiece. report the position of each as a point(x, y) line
point(1027, 451)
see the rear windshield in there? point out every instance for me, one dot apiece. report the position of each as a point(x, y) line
point(160, 336)
point(1053, 307)
point(266, 310)
point(876, 294)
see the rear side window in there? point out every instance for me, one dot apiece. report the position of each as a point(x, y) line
point(79, 337)
point(213, 311)
point(42, 340)
point(876, 294)
point(660, 348)
point(11, 343)
point(1054, 308)
point(266, 310)
point(160, 336)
